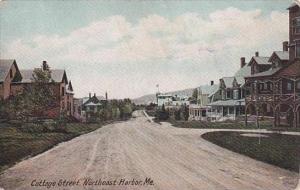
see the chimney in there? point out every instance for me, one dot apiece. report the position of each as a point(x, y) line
point(45, 66)
point(90, 95)
point(256, 54)
point(243, 62)
point(211, 83)
point(106, 97)
point(285, 45)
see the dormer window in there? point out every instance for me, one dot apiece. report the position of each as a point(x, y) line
point(296, 25)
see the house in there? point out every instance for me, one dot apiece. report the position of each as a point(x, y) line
point(164, 99)
point(206, 95)
point(230, 102)
point(275, 93)
point(171, 101)
point(60, 85)
point(9, 72)
point(91, 107)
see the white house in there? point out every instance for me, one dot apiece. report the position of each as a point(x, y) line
point(206, 95)
point(170, 101)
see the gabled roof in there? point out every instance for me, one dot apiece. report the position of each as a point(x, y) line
point(5, 65)
point(260, 60)
point(69, 87)
point(282, 55)
point(243, 72)
point(209, 89)
point(56, 75)
point(296, 3)
point(228, 81)
point(240, 80)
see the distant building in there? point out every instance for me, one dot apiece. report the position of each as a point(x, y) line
point(89, 107)
point(9, 72)
point(170, 101)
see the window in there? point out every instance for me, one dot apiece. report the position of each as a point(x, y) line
point(11, 74)
point(297, 49)
point(228, 94)
point(296, 25)
point(236, 94)
point(289, 86)
point(298, 85)
point(203, 113)
point(63, 91)
point(266, 86)
point(269, 86)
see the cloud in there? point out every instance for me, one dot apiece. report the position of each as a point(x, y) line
point(184, 51)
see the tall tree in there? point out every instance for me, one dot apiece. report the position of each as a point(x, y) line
point(195, 94)
point(36, 98)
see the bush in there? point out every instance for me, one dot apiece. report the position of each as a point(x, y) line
point(162, 114)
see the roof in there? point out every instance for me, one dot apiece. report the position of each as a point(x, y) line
point(240, 80)
point(296, 3)
point(5, 65)
point(228, 81)
point(261, 60)
point(85, 99)
point(209, 89)
point(283, 55)
point(243, 72)
point(165, 95)
point(228, 103)
point(56, 75)
point(93, 104)
point(69, 88)
point(293, 70)
point(269, 72)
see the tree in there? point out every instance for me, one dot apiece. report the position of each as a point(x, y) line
point(195, 94)
point(162, 114)
point(36, 98)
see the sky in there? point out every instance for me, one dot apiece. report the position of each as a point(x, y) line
point(128, 47)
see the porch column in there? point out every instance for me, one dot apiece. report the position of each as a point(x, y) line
point(275, 118)
point(234, 112)
point(246, 122)
point(295, 119)
point(228, 110)
point(257, 117)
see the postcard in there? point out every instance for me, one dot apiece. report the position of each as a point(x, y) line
point(151, 94)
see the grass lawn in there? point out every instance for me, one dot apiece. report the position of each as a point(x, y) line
point(22, 141)
point(277, 149)
point(217, 125)
point(228, 125)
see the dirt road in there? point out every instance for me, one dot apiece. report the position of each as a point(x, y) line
point(129, 155)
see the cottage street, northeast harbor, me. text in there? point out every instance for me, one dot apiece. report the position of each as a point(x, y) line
point(85, 182)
